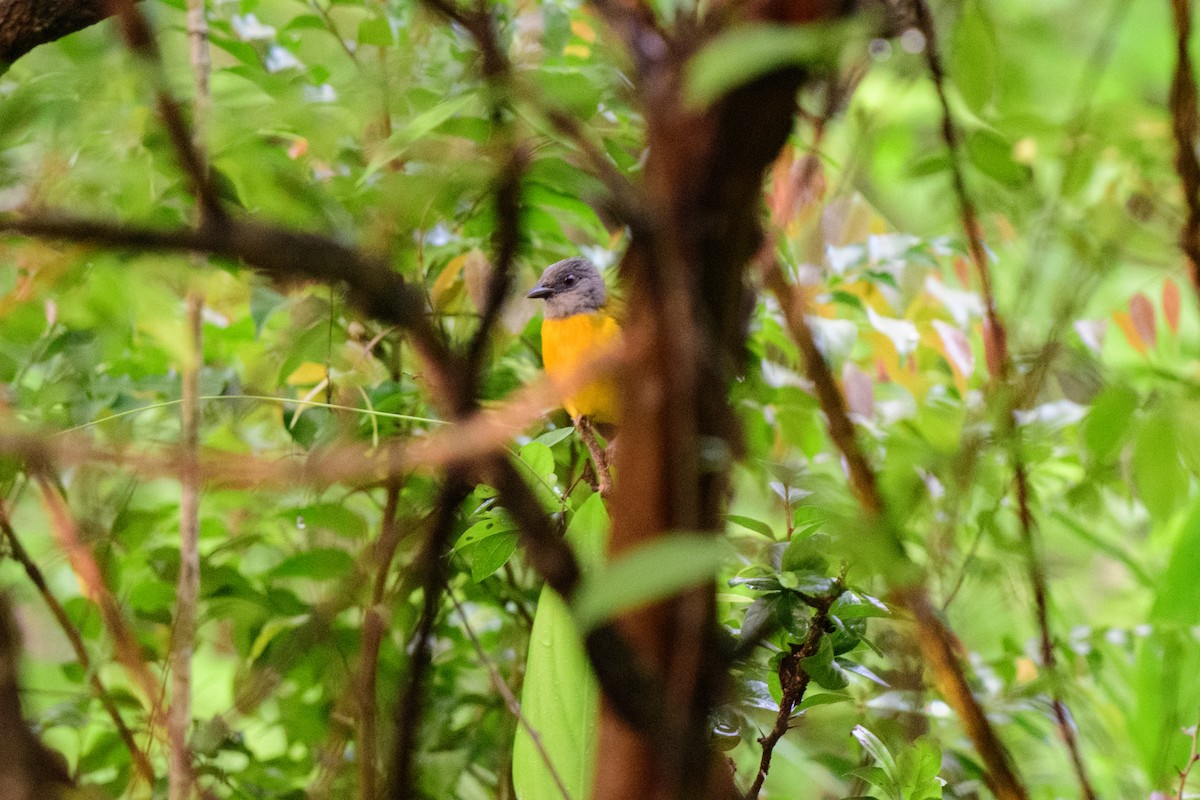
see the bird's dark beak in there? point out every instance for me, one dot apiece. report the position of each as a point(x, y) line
point(540, 292)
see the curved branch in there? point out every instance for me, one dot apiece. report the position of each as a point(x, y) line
point(25, 24)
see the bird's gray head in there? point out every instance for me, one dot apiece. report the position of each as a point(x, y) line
point(571, 286)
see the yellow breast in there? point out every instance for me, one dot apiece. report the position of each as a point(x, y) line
point(569, 342)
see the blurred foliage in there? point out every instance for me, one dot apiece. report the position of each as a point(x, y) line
point(367, 121)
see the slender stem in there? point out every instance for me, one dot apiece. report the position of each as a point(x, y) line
point(794, 680)
point(187, 591)
point(587, 432)
point(936, 641)
point(510, 700)
point(140, 762)
point(1193, 757)
point(373, 629)
point(432, 567)
point(1000, 365)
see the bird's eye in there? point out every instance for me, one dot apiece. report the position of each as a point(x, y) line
point(569, 280)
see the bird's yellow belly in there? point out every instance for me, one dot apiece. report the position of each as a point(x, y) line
point(571, 342)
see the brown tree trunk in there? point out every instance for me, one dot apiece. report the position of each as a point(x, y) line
point(685, 331)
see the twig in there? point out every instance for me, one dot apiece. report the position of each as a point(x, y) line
point(181, 774)
point(587, 432)
point(1185, 123)
point(627, 201)
point(372, 636)
point(432, 569)
point(506, 239)
point(794, 680)
point(1000, 365)
point(936, 641)
point(514, 706)
point(997, 348)
point(140, 762)
point(83, 563)
point(141, 42)
point(1193, 757)
point(286, 254)
point(187, 591)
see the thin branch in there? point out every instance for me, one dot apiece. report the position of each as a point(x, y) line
point(139, 38)
point(1185, 122)
point(1193, 757)
point(483, 433)
point(1000, 365)
point(507, 237)
point(627, 201)
point(181, 774)
point(510, 700)
point(794, 680)
point(284, 254)
point(587, 432)
point(432, 569)
point(997, 347)
point(84, 565)
point(372, 637)
point(936, 641)
point(17, 550)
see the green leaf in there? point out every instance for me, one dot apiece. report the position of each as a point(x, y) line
point(759, 616)
point(992, 155)
point(648, 573)
point(1158, 473)
point(824, 671)
point(973, 57)
point(376, 31)
point(332, 517)
point(1178, 597)
point(491, 554)
point(319, 564)
point(822, 699)
point(551, 438)
point(1108, 422)
point(747, 52)
point(492, 526)
point(418, 127)
point(878, 751)
point(560, 698)
point(878, 777)
point(761, 528)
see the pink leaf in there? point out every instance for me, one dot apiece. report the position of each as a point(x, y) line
point(1170, 303)
point(859, 391)
point(1141, 314)
point(958, 347)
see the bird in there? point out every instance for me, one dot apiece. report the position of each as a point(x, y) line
point(577, 326)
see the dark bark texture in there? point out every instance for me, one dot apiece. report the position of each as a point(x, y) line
point(28, 769)
point(24, 24)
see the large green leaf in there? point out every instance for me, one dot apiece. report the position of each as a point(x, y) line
point(560, 699)
point(651, 572)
